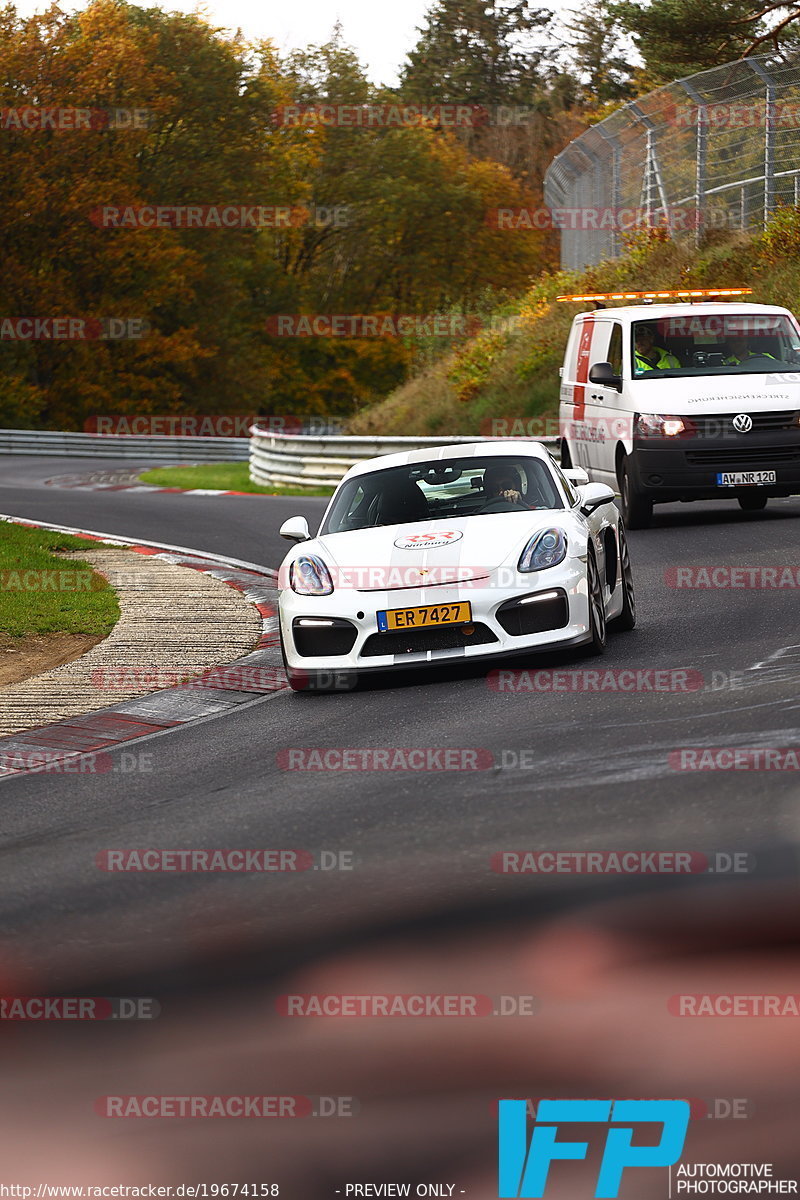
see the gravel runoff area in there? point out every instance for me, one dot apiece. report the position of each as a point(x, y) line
point(175, 622)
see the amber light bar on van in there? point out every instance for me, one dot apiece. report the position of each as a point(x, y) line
point(683, 294)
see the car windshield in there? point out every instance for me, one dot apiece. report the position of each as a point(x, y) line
point(700, 343)
point(429, 491)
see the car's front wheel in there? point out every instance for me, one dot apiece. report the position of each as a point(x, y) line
point(627, 618)
point(596, 643)
point(637, 508)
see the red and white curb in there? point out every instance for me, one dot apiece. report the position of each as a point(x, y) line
point(218, 690)
point(111, 484)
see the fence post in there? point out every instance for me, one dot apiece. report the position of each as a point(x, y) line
point(616, 188)
point(701, 151)
point(769, 137)
point(652, 167)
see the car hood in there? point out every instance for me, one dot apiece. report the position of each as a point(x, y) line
point(392, 556)
point(706, 396)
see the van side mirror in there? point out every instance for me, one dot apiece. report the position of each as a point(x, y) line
point(603, 373)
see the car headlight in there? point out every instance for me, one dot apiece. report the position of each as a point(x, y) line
point(308, 576)
point(545, 549)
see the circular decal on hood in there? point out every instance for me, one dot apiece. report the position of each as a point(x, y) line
point(427, 541)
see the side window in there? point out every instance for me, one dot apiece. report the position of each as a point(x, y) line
point(615, 349)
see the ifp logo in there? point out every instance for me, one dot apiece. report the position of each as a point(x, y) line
point(523, 1171)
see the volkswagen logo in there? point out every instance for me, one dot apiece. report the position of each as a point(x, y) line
point(743, 423)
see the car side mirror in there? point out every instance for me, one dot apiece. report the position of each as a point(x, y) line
point(595, 494)
point(576, 476)
point(295, 530)
point(603, 374)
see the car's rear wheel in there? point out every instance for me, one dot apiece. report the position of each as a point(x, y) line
point(627, 618)
point(637, 508)
point(752, 502)
point(597, 611)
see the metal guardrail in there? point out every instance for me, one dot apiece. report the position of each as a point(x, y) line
point(141, 447)
point(278, 459)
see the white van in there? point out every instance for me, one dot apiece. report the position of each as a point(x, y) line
point(692, 401)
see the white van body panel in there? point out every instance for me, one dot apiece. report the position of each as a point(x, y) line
point(597, 422)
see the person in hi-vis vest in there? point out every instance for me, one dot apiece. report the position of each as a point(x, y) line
point(740, 352)
point(648, 356)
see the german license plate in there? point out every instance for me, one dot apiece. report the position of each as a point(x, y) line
point(429, 614)
point(745, 478)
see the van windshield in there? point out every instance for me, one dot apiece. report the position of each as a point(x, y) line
point(700, 343)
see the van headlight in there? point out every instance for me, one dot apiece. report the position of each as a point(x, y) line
point(545, 549)
point(308, 576)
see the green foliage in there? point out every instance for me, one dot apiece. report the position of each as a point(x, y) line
point(486, 52)
point(414, 238)
point(515, 376)
point(597, 52)
point(679, 37)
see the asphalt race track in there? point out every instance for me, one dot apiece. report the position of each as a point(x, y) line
point(597, 771)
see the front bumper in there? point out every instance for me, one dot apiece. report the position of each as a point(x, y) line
point(687, 469)
point(360, 608)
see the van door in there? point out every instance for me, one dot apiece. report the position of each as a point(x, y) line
point(603, 405)
point(573, 391)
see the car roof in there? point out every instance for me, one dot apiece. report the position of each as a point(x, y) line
point(511, 447)
point(654, 312)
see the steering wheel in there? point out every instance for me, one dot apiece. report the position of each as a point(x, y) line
point(499, 504)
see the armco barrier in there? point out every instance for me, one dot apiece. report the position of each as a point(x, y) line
point(279, 459)
point(141, 447)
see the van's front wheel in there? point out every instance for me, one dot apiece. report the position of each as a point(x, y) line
point(637, 508)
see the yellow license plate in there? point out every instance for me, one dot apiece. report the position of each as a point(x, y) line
point(422, 618)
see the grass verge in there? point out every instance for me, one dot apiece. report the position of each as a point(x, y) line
point(41, 592)
point(227, 477)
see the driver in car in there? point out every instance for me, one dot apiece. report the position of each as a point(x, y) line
point(500, 483)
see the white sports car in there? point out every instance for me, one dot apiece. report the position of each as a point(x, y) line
point(466, 551)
